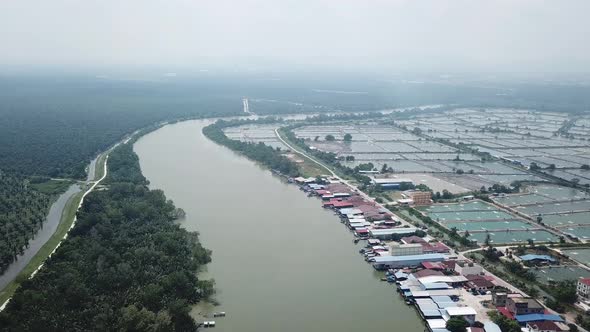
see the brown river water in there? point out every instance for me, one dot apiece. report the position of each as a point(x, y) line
point(280, 261)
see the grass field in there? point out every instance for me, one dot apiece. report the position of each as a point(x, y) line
point(52, 187)
point(310, 169)
point(99, 172)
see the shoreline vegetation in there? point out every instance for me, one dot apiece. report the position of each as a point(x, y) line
point(285, 129)
point(264, 154)
point(126, 264)
point(44, 185)
point(66, 220)
point(24, 204)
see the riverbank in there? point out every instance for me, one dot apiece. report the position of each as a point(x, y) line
point(129, 234)
point(60, 219)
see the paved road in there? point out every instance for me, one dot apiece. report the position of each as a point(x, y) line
point(334, 175)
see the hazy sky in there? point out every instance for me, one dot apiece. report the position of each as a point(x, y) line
point(506, 35)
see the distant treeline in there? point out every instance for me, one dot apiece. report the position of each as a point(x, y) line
point(54, 127)
point(22, 212)
point(369, 94)
point(126, 265)
point(266, 155)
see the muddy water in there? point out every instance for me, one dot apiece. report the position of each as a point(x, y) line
point(280, 261)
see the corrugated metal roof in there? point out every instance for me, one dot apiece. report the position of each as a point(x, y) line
point(444, 305)
point(431, 313)
point(537, 317)
point(391, 231)
point(491, 327)
point(436, 323)
point(460, 311)
point(387, 259)
point(436, 285)
point(441, 298)
point(446, 279)
point(392, 181)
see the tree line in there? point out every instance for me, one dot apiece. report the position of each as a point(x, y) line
point(260, 152)
point(126, 265)
point(54, 127)
point(22, 212)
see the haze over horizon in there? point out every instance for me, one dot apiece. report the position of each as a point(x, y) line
point(400, 35)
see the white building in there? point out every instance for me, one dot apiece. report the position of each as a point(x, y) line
point(583, 289)
point(466, 312)
point(396, 249)
point(468, 269)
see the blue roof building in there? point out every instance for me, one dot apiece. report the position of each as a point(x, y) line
point(523, 319)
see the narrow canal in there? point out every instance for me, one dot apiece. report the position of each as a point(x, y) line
point(49, 227)
point(280, 261)
point(43, 235)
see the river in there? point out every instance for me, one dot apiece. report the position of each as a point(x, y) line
point(280, 261)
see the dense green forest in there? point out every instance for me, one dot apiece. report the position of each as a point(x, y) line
point(126, 265)
point(363, 93)
point(22, 212)
point(55, 126)
point(266, 155)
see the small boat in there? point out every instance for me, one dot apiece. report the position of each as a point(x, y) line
point(219, 314)
point(210, 323)
point(383, 279)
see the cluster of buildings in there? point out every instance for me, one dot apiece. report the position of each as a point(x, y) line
point(365, 218)
point(528, 312)
point(411, 197)
point(451, 288)
point(425, 272)
point(437, 290)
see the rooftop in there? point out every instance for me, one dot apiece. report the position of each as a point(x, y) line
point(391, 180)
point(433, 265)
point(545, 325)
point(427, 272)
point(460, 311)
point(532, 303)
point(413, 239)
point(386, 259)
point(491, 327)
point(388, 231)
point(537, 317)
point(436, 323)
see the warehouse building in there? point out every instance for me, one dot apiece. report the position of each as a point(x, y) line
point(388, 233)
point(391, 183)
point(396, 249)
point(394, 262)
